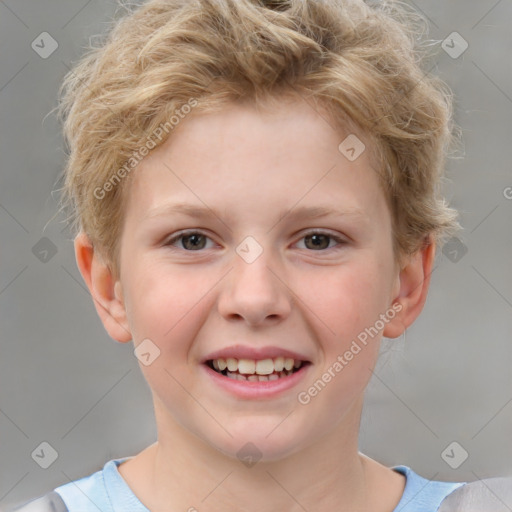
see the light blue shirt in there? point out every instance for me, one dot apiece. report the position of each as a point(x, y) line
point(106, 491)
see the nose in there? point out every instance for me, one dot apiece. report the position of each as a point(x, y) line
point(255, 292)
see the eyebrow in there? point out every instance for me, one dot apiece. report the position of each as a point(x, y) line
point(204, 212)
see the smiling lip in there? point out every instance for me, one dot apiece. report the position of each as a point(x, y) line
point(245, 352)
point(256, 389)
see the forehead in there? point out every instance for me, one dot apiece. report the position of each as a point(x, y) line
point(259, 156)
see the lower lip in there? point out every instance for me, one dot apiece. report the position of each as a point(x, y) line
point(257, 389)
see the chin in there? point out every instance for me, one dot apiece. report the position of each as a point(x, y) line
point(252, 444)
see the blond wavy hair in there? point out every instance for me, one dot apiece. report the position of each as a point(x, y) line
point(361, 61)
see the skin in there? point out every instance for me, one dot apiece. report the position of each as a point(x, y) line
point(253, 166)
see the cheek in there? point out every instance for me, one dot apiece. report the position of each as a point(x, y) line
point(345, 299)
point(165, 305)
point(168, 308)
point(346, 302)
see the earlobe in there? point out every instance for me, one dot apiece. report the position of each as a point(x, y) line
point(105, 291)
point(414, 279)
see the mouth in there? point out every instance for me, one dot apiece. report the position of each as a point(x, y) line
point(256, 370)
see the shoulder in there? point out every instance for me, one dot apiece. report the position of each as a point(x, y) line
point(102, 491)
point(50, 502)
point(421, 494)
point(487, 495)
point(88, 493)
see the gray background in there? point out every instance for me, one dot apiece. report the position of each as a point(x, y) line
point(64, 381)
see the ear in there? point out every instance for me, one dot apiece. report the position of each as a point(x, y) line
point(106, 293)
point(413, 282)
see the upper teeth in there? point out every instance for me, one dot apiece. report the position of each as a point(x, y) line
point(252, 366)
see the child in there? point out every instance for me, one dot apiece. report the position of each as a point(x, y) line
point(256, 189)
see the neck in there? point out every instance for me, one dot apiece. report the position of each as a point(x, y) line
point(183, 472)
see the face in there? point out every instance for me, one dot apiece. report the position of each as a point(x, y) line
point(249, 234)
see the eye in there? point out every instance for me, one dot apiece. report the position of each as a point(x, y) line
point(190, 240)
point(196, 241)
point(319, 240)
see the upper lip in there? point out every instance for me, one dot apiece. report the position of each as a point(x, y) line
point(245, 352)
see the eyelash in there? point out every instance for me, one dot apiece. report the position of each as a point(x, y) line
point(177, 237)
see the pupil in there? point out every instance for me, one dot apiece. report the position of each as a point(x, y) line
point(196, 241)
point(319, 241)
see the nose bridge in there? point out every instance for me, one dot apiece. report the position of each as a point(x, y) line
point(253, 291)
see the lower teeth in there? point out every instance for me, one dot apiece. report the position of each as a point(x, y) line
point(256, 378)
